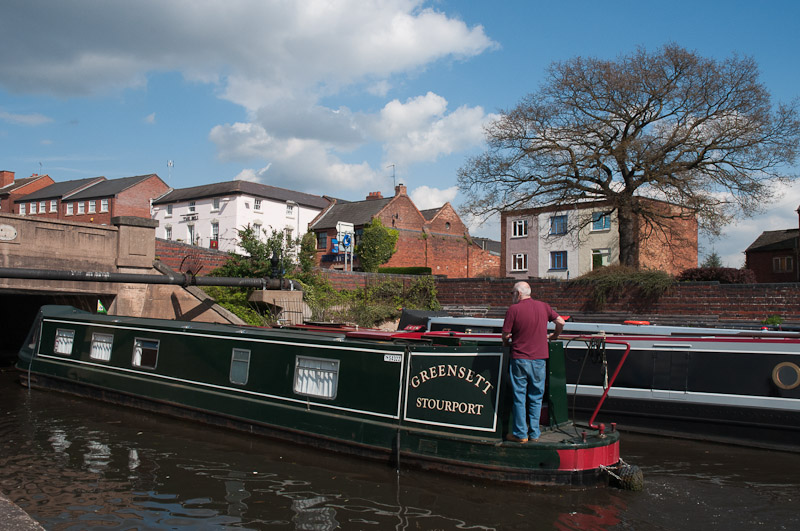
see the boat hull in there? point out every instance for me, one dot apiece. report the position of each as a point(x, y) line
point(435, 408)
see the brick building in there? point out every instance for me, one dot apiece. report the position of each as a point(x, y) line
point(435, 238)
point(568, 241)
point(775, 255)
point(11, 189)
point(94, 200)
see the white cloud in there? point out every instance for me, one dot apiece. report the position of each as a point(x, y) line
point(150, 118)
point(426, 197)
point(420, 130)
point(24, 119)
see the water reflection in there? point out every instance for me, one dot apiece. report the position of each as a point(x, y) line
point(79, 465)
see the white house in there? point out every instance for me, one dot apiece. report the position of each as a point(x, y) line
point(211, 215)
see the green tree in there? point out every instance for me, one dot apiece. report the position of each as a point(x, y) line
point(712, 260)
point(308, 251)
point(377, 245)
point(669, 125)
point(260, 247)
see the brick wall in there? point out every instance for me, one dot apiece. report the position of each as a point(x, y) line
point(351, 280)
point(172, 254)
point(739, 302)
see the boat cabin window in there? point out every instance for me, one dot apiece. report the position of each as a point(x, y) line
point(145, 353)
point(240, 366)
point(316, 377)
point(64, 339)
point(101, 346)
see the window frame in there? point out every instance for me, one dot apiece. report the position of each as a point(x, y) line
point(54, 205)
point(556, 223)
point(32, 208)
point(234, 361)
point(558, 256)
point(519, 259)
point(257, 204)
point(92, 209)
point(302, 382)
point(601, 221)
point(604, 252)
point(22, 209)
point(104, 205)
point(322, 240)
point(137, 341)
point(63, 334)
point(81, 208)
point(519, 228)
point(99, 338)
point(70, 209)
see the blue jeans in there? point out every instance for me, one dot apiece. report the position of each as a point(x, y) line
point(527, 386)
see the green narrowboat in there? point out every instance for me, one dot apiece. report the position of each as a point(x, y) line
point(438, 404)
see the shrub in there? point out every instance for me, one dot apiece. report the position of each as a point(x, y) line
point(723, 275)
point(611, 281)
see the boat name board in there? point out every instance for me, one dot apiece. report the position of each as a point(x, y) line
point(458, 391)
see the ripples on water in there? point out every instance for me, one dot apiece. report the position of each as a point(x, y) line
point(80, 465)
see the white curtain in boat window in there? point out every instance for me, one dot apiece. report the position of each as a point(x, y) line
point(145, 353)
point(240, 366)
point(64, 339)
point(101, 346)
point(316, 377)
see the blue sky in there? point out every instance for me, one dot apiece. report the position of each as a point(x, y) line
point(332, 98)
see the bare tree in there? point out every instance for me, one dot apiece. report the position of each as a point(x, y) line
point(670, 125)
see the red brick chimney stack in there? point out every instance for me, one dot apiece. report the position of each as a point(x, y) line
point(400, 189)
point(374, 195)
point(6, 178)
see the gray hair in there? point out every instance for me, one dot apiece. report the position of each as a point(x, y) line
point(523, 288)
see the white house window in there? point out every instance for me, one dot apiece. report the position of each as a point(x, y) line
point(42, 207)
point(191, 233)
point(81, 207)
point(64, 340)
point(215, 203)
point(145, 353)
point(101, 346)
point(316, 377)
point(257, 230)
point(289, 210)
point(22, 209)
point(240, 366)
point(168, 231)
point(191, 206)
point(257, 204)
point(169, 210)
point(54, 205)
point(70, 208)
point(104, 205)
point(600, 258)
point(92, 206)
point(33, 208)
point(214, 230)
point(519, 262)
point(519, 229)
point(601, 221)
point(558, 224)
point(558, 260)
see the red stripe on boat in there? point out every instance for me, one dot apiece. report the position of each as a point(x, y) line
point(589, 458)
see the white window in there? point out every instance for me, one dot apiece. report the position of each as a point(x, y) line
point(64, 339)
point(81, 207)
point(214, 231)
point(190, 228)
point(519, 262)
point(22, 209)
point(782, 264)
point(600, 258)
point(519, 229)
point(289, 210)
point(33, 208)
point(191, 206)
point(257, 230)
point(169, 210)
point(316, 377)
point(101, 346)
point(70, 207)
point(240, 366)
point(92, 206)
point(104, 205)
point(215, 204)
point(54, 205)
point(145, 353)
point(42, 207)
point(168, 231)
point(257, 204)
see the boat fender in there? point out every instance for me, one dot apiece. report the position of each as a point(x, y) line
point(786, 375)
point(625, 476)
point(636, 323)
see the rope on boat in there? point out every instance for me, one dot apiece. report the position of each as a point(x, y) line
point(626, 477)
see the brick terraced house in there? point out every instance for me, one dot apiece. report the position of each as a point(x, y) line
point(12, 189)
point(435, 238)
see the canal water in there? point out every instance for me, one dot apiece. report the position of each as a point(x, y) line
point(74, 464)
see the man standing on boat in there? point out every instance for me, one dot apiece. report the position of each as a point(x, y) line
point(525, 327)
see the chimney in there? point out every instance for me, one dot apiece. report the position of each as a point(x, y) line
point(374, 195)
point(6, 178)
point(400, 189)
